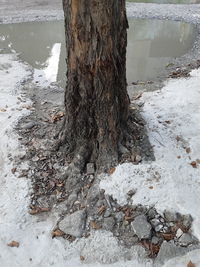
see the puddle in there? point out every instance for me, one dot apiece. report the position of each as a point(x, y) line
point(167, 1)
point(151, 46)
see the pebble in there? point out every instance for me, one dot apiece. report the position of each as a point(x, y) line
point(179, 233)
point(141, 227)
point(170, 216)
point(119, 216)
point(29, 125)
point(186, 240)
point(158, 228)
point(90, 168)
point(108, 223)
point(155, 240)
point(74, 224)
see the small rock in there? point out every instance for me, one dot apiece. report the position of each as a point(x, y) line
point(155, 240)
point(90, 168)
point(71, 199)
point(107, 213)
point(167, 251)
point(170, 216)
point(186, 240)
point(119, 216)
point(131, 193)
point(158, 228)
point(179, 233)
point(108, 223)
point(29, 125)
point(187, 220)
point(74, 224)
point(152, 213)
point(93, 194)
point(155, 222)
point(138, 158)
point(141, 227)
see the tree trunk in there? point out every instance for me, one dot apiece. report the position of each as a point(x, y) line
point(96, 99)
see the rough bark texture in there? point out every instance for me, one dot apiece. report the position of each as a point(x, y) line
point(96, 99)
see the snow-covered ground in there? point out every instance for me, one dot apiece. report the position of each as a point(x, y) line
point(36, 246)
point(173, 121)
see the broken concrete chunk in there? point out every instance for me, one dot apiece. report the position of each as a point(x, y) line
point(187, 239)
point(108, 223)
point(74, 224)
point(141, 227)
point(170, 216)
point(90, 168)
point(179, 233)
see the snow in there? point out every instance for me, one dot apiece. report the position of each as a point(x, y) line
point(37, 248)
point(173, 111)
point(173, 123)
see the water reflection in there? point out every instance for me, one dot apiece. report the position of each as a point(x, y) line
point(151, 45)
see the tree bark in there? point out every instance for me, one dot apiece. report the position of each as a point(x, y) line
point(96, 99)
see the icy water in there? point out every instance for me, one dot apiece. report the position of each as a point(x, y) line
point(151, 46)
point(167, 1)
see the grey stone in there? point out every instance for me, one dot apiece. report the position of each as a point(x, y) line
point(107, 213)
point(167, 251)
point(179, 233)
point(131, 193)
point(90, 168)
point(187, 220)
point(71, 199)
point(119, 216)
point(93, 194)
point(108, 223)
point(152, 213)
point(29, 125)
point(74, 224)
point(155, 240)
point(141, 227)
point(187, 239)
point(159, 227)
point(155, 222)
point(170, 216)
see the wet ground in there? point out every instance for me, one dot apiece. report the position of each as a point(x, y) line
point(152, 44)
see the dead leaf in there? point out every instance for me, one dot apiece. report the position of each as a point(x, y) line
point(37, 210)
point(178, 138)
point(3, 110)
point(188, 150)
point(193, 164)
point(150, 187)
point(57, 233)
point(13, 170)
point(58, 116)
point(26, 106)
point(94, 225)
point(111, 171)
point(190, 264)
point(137, 96)
point(168, 122)
point(101, 210)
point(178, 157)
point(13, 244)
point(168, 236)
point(82, 258)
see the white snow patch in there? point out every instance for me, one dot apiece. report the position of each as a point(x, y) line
point(170, 182)
point(193, 256)
point(37, 248)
